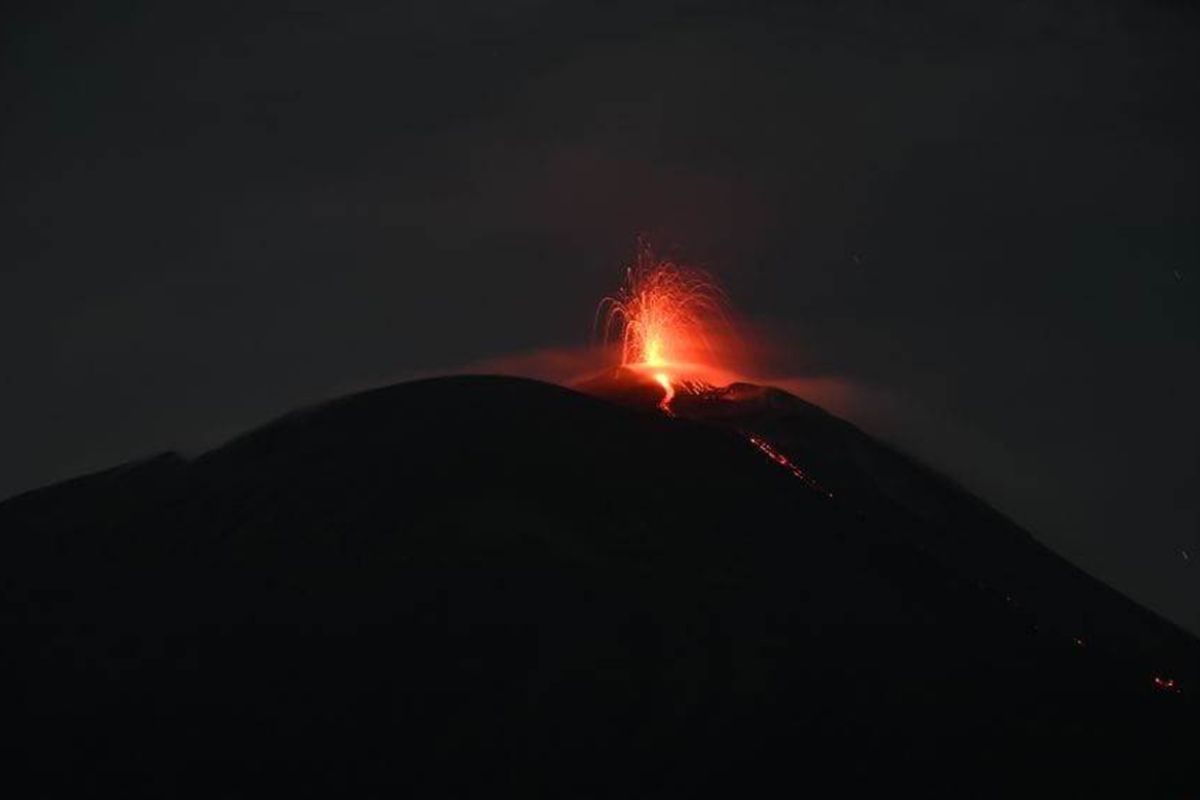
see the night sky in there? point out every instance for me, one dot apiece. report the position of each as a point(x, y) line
point(974, 228)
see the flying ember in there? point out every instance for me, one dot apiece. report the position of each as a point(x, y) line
point(664, 318)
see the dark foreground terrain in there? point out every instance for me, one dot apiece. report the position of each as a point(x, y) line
point(491, 586)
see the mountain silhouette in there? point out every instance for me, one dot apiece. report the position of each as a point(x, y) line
point(486, 585)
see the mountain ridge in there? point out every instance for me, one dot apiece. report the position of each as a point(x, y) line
point(497, 572)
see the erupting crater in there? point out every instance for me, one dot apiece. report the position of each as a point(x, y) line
point(667, 320)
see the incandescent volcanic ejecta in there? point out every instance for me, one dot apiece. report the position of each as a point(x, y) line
point(671, 324)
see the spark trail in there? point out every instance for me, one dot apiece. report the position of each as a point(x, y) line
point(663, 318)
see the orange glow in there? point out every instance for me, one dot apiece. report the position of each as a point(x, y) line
point(669, 390)
point(670, 320)
point(785, 462)
point(664, 318)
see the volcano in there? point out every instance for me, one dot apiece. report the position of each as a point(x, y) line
point(483, 585)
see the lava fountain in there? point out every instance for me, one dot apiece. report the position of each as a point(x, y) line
point(665, 319)
point(672, 328)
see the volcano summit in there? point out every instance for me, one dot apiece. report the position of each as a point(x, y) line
point(485, 585)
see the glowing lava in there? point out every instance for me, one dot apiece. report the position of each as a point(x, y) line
point(668, 319)
point(664, 318)
point(785, 462)
point(668, 391)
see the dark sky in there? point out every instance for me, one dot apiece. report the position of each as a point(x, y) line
point(981, 218)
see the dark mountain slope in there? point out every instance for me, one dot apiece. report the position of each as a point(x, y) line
point(937, 516)
point(473, 585)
